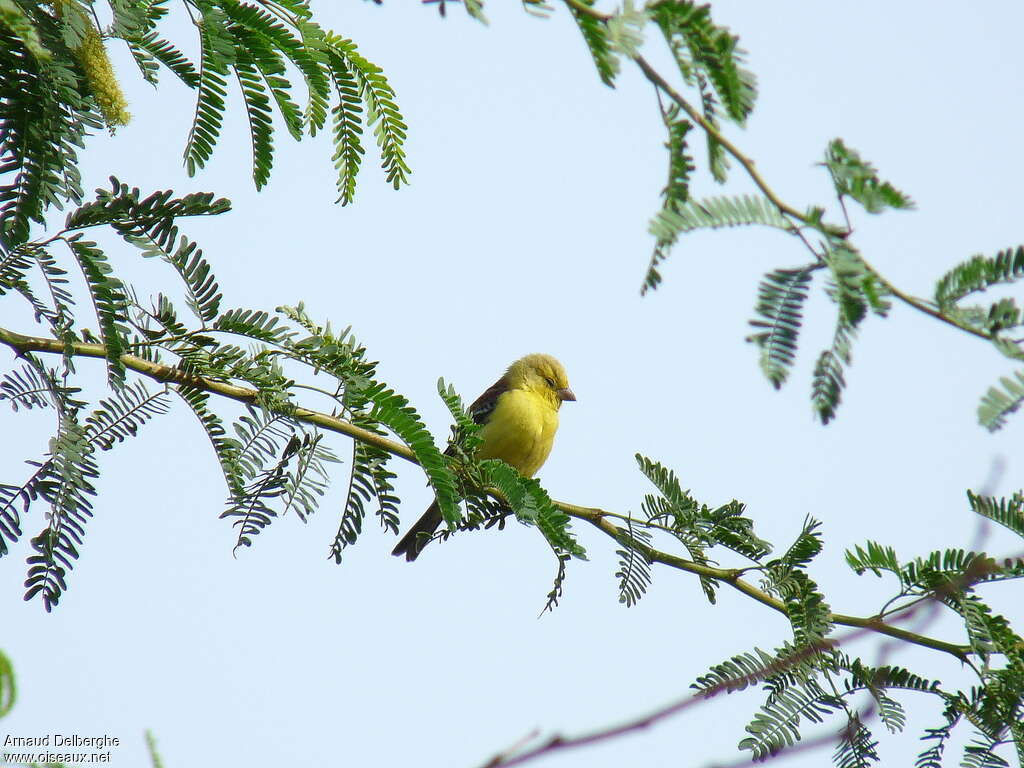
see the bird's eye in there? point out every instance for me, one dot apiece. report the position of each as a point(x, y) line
point(550, 381)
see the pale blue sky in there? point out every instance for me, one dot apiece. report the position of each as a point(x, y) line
point(524, 229)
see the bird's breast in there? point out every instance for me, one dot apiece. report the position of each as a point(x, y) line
point(520, 432)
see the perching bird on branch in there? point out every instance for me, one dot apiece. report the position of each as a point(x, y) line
point(519, 413)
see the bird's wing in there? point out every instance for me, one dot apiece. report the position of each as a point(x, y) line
point(484, 406)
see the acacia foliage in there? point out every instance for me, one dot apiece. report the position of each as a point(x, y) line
point(276, 455)
point(715, 89)
point(51, 98)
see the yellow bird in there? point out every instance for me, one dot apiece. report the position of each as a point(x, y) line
point(519, 413)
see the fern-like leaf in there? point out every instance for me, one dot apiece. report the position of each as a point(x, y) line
point(20, 23)
point(978, 274)
point(776, 726)
point(857, 748)
point(736, 673)
point(225, 448)
point(1008, 512)
point(382, 114)
point(715, 213)
point(873, 557)
point(109, 301)
point(556, 588)
point(29, 387)
point(853, 291)
point(780, 299)
point(998, 403)
point(347, 119)
point(805, 548)
point(217, 54)
point(531, 504)
point(634, 572)
point(598, 42)
point(369, 479)
point(808, 612)
point(117, 418)
point(856, 178)
point(261, 119)
point(150, 47)
point(702, 47)
point(71, 467)
point(676, 192)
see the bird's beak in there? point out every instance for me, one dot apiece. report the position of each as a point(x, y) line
point(566, 394)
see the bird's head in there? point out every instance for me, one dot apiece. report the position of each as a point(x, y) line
point(543, 375)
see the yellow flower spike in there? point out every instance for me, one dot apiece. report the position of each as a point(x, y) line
point(99, 73)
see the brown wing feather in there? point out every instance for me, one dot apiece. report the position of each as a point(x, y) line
point(483, 406)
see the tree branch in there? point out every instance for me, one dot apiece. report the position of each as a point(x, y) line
point(731, 576)
point(22, 345)
point(169, 374)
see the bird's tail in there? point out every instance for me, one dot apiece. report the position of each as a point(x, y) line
point(413, 542)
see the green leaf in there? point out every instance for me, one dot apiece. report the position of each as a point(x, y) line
point(998, 403)
point(68, 474)
point(716, 213)
point(15, 19)
point(599, 43)
point(46, 117)
point(776, 726)
point(465, 432)
point(342, 358)
point(109, 302)
point(634, 572)
point(475, 10)
point(217, 55)
point(978, 274)
point(347, 121)
point(150, 47)
point(857, 748)
point(808, 612)
point(853, 289)
point(308, 482)
point(676, 191)
point(261, 118)
point(531, 504)
point(873, 557)
point(737, 673)
point(700, 46)
point(556, 588)
point(856, 178)
point(117, 418)
point(382, 114)
point(806, 547)
point(1008, 512)
point(33, 386)
point(780, 299)
point(369, 480)
point(677, 217)
point(225, 448)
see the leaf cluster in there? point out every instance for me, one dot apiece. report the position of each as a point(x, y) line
point(697, 527)
point(810, 680)
point(994, 321)
point(52, 99)
point(272, 462)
